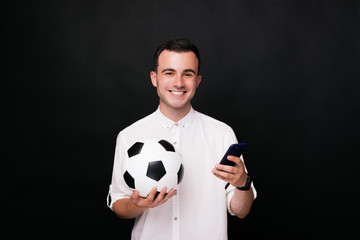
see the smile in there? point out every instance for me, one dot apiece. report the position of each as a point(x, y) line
point(178, 92)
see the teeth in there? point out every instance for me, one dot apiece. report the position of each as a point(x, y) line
point(177, 93)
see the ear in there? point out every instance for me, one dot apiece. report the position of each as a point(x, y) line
point(198, 80)
point(153, 78)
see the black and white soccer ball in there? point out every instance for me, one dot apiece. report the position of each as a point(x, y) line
point(151, 163)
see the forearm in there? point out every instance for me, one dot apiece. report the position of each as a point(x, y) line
point(135, 205)
point(241, 202)
point(125, 209)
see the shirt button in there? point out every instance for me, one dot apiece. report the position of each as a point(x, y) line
point(176, 124)
point(174, 143)
point(175, 218)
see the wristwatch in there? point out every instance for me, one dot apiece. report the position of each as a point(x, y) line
point(247, 184)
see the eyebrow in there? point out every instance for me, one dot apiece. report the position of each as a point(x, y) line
point(190, 70)
point(173, 70)
point(168, 69)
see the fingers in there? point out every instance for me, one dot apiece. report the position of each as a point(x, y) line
point(239, 165)
point(229, 173)
point(234, 159)
point(163, 196)
point(134, 196)
point(151, 195)
point(224, 173)
point(225, 168)
point(154, 198)
point(159, 196)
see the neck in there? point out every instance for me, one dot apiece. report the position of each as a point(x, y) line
point(175, 114)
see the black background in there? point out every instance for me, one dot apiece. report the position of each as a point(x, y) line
point(283, 74)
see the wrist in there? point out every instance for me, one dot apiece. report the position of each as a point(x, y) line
point(246, 185)
point(242, 181)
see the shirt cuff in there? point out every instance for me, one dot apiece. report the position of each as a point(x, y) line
point(229, 196)
point(113, 197)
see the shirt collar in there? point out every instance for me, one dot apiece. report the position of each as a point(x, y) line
point(169, 124)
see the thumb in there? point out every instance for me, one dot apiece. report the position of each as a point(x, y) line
point(134, 196)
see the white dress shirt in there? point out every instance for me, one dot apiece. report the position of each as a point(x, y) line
point(199, 209)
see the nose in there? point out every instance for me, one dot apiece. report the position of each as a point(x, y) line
point(178, 81)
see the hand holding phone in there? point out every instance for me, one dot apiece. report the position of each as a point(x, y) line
point(234, 150)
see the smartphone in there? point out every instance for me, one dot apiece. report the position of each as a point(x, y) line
point(234, 150)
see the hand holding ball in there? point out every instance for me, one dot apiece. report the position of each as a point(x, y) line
point(148, 164)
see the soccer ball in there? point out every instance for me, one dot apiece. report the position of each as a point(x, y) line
point(150, 163)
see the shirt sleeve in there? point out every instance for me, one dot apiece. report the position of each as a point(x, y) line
point(118, 188)
point(231, 139)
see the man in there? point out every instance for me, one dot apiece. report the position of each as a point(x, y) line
point(197, 208)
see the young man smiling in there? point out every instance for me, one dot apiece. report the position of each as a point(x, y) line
point(176, 79)
point(197, 208)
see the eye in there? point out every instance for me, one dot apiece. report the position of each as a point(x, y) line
point(169, 73)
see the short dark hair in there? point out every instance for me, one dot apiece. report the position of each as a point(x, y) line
point(177, 44)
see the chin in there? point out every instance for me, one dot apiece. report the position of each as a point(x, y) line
point(178, 106)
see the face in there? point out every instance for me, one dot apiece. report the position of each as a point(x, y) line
point(176, 80)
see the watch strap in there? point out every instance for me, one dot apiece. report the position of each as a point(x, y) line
point(247, 184)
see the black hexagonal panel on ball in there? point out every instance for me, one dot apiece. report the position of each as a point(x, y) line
point(135, 149)
point(129, 180)
point(168, 146)
point(156, 170)
point(180, 173)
